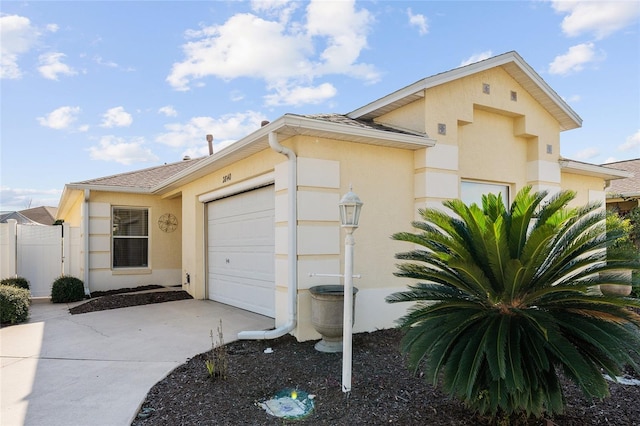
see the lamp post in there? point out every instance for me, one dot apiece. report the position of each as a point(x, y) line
point(350, 206)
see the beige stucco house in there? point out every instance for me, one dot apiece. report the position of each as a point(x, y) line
point(247, 225)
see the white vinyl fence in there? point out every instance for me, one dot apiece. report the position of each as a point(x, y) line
point(36, 253)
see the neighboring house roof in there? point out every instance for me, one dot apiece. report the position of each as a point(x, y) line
point(43, 215)
point(17, 216)
point(511, 62)
point(628, 187)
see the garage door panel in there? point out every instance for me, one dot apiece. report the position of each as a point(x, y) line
point(241, 260)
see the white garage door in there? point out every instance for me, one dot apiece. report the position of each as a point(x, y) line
point(241, 262)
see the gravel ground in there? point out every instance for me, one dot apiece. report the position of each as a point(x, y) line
point(383, 390)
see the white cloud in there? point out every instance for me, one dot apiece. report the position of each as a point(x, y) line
point(602, 18)
point(116, 117)
point(575, 59)
point(18, 37)
point(301, 95)
point(245, 45)
point(100, 61)
point(60, 118)
point(282, 9)
point(225, 130)
point(283, 54)
point(632, 142)
point(168, 111)
point(15, 199)
point(51, 66)
point(346, 30)
point(112, 148)
point(52, 28)
point(587, 153)
point(418, 20)
point(477, 57)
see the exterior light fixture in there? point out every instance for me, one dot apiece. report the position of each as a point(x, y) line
point(350, 206)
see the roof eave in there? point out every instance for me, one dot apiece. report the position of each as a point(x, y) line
point(569, 119)
point(594, 170)
point(288, 126)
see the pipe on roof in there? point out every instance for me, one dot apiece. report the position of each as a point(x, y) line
point(293, 249)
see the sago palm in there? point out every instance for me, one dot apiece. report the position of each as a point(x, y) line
point(506, 302)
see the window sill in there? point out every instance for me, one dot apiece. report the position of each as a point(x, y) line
point(131, 271)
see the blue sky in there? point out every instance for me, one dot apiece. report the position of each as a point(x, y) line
point(91, 89)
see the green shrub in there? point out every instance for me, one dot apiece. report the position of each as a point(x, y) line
point(67, 289)
point(14, 304)
point(504, 302)
point(19, 282)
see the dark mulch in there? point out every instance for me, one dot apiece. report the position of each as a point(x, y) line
point(116, 300)
point(383, 390)
point(125, 290)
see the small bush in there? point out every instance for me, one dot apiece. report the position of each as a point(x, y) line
point(19, 282)
point(67, 289)
point(14, 304)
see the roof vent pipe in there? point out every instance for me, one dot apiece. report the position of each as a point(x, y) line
point(186, 158)
point(210, 140)
point(264, 123)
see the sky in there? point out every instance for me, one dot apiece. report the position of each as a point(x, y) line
point(91, 89)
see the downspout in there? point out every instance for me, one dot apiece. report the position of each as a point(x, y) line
point(293, 249)
point(87, 193)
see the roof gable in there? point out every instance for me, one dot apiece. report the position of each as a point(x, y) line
point(511, 62)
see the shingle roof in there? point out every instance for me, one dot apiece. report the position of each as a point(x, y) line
point(43, 214)
point(365, 124)
point(627, 186)
point(145, 178)
point(19, 217)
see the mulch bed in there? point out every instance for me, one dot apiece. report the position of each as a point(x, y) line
point(116, 300)
point(383, 390)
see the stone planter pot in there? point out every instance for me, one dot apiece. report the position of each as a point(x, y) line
point(327, 310)
point(617, 289)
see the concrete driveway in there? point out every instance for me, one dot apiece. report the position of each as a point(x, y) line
point(96, 368)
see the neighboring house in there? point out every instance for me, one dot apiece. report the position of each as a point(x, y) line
point(248, 225)
point(624, 194)
point(34, 216)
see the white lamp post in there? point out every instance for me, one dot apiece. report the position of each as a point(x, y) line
point(350, 206)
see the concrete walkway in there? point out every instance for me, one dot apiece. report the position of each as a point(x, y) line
point(96, 368)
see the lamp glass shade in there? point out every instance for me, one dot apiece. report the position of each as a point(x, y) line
point(350, 206)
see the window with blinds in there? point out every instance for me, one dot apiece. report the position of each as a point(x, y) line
point(130, 237)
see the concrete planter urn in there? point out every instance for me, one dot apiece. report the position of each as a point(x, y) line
point(617, 289)
point(327, 310)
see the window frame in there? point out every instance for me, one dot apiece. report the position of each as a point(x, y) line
point(146, 236)
point(505, 188)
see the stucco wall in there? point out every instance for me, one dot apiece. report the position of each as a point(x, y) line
point(588, 189)
point(164, 248)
